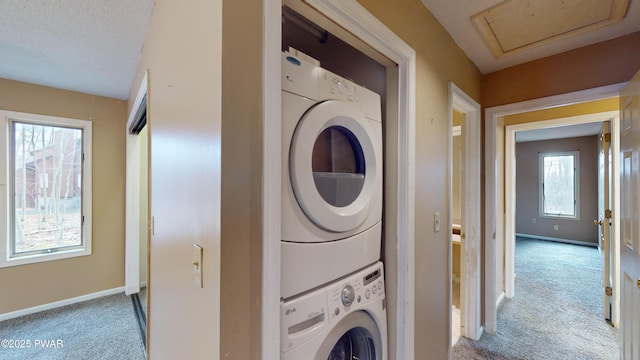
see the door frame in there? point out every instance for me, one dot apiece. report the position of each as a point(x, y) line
point(605, 202)
point(510, 181)
point(354, 18)
point(132, 197)
point(470, 248)
point(495, 187)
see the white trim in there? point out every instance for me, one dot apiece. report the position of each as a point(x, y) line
point(560, 240)
point(501, 298)
point(492, 224)
point(57, 304)
point(358, 21)
point(494, 197)
point(132, 206)
point(576, 185)
point(271, 175)
point(615, 240)
point(470, 290)
point(87, 234)
point(510, 182)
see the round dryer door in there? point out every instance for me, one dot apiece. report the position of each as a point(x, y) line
point(354, 337)
point(333, 165)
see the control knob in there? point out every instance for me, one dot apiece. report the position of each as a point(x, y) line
point(348, 295)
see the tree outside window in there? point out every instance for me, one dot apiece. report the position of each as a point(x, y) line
point(48, 192)
point(559, 184)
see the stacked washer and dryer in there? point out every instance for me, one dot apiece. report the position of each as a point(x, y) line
point(332, 283)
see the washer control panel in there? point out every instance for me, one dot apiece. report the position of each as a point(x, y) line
point(302, 317)
point(361, 288)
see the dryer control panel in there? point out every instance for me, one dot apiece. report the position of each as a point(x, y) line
point(302, 75)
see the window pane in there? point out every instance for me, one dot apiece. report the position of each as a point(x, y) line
point(559, 185)
point(47, 204)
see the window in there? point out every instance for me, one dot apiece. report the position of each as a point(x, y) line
point(559, 185)
point(45, 188)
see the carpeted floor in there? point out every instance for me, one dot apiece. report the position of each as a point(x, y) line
point(557, 310)
point(103, 328)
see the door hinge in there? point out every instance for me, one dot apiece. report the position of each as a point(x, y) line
point(607, 214)
point(608, 290)
point(152, 226)
point(607, 137)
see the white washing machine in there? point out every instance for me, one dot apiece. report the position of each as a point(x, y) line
point(344, 320)
point(331, 175)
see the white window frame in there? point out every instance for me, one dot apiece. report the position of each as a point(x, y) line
point(576, 184)
point(6, 117)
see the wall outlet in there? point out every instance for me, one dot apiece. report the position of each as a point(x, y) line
point(534, 220)
point(555, 227)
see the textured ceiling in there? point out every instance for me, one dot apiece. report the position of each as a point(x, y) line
point(90, 46)
point(93, 46)
point(456, 16)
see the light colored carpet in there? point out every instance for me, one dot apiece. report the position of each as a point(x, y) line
point(557, 310)
point(103, 328)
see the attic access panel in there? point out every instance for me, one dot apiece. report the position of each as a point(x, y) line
point(516, 25)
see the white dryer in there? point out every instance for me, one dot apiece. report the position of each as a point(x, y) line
point(345, 320)
point(331, 175)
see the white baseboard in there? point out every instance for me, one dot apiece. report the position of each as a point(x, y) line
point(56, 304)
point(566, 241)
point(480, 332)
point(500, 300)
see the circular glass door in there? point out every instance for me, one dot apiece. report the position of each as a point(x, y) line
point(354, 337)
point(333, 165)
point(338, 166)
point(355, 344)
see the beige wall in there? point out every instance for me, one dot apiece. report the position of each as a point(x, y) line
point(241, 180)
point(36, 284)
point(527, 190)
point(439, 60)
point(609, 62)
point(182, 54)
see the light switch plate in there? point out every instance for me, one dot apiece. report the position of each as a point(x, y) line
point(197, 265)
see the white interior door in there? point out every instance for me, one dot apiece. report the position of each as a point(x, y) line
point(630, 203)
point(604, 214)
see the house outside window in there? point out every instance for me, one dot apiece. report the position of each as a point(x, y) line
point(559, 185)
point(45, 188)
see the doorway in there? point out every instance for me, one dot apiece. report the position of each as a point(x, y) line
point(464, 215)
point(551, 227)
point(137, 208)
point(499, 230)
